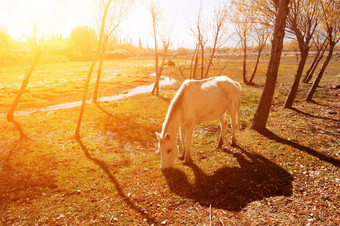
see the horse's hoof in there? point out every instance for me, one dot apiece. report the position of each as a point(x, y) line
point(219, 147)
point(181, 158)
point(233, 144)
point(187, 162)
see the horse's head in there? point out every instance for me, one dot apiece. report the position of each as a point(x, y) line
point(168, 149)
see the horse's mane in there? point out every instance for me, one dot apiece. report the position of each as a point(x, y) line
point(175, 106)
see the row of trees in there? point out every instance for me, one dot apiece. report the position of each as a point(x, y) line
point(113, 11)
point(79, 45)
point(307, 21)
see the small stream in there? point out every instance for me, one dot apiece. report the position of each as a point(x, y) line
point(134, 91)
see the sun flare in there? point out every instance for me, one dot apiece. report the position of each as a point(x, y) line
point(45, 17)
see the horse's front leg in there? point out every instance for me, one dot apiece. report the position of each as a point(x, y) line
point(183, 129)
point(188, 135)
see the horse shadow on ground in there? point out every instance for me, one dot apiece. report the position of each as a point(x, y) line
point(269, 134)
point(232, 188)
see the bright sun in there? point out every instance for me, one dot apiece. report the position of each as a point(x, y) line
point(49, 17)
point(20, 18)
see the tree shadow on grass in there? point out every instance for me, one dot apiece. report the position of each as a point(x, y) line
point(269, 134)
point(104, 110)
point(232, 188)
point(18, 127)
point(120, 190)
point(21, 178)
point(313, 116)
point(5, 159)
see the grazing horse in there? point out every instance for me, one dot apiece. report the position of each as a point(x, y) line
point(194, 102)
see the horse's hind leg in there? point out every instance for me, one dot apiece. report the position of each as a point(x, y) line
point(188, 135)
point(223, 123)
point(234, 124)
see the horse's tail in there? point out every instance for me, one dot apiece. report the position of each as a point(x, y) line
point(237, 115)
point(238, 103)
point(238, 85)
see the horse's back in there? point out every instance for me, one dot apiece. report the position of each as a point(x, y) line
point(211, 88)
point(208, 99)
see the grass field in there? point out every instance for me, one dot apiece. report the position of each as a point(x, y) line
point(288, 174)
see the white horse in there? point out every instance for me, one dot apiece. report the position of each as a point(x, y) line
point(194, 102)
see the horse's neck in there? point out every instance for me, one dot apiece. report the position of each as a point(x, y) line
point(172, 123)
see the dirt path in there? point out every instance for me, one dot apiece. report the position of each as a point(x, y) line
point(123, 94)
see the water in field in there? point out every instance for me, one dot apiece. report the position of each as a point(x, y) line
point(135, 91)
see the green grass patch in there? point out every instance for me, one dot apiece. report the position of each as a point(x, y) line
point(286, 175)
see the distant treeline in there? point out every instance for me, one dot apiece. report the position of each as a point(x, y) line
point(81, 45)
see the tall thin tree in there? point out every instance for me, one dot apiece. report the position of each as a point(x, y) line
point(261, 36)
point(330, 20)
point(82, 107)
point(263, 109)
point(36, 55)
point(302, 22)
point(155, 13)
point(320, 52)
point(219, 30)
point(242, 18)
point(115, 16)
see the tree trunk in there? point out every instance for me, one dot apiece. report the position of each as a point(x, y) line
point(322, 70)
point(202, 62)
point(82, 107)
point(263, 109)
point(196, 63)
point(99, 73)
point(256, 64)
point(244, 72)
point(23, 87)
point(294, 88)
point(192, 61)
point(308, 73)
point(156, 86)
point(99, 70)
point(210, 60)
point(160, 71)
point(311, 73)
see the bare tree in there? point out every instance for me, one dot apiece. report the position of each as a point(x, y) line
point(202, 42)
point(302, 21)
point(242, 17)
point(197, 31)
point(36, 54)
point(23, 86)
point(219, 31)
point(155, 14)
point(263, 109)
point(261, 37)
point(265, 12)
point(115, 15)
point(194, 56)
point(330, 21)
point(166, 44)
point(320, 51)
point(81, 112)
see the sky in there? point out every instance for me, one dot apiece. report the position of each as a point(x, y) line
point(61, 16)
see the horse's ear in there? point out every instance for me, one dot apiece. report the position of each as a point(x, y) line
point(167, 136)
point(158, 136)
